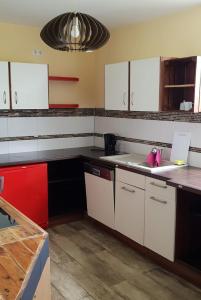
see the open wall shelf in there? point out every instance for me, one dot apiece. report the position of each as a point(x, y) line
point(63, 78)
point(180, 81)
point(63, 105)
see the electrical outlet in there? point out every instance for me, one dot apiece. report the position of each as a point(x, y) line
point(37, 52)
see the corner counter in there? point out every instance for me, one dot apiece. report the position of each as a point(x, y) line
point(24, 259)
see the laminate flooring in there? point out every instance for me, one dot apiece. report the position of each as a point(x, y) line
point(89, 264)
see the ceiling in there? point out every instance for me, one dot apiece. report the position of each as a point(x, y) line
point(112, 13)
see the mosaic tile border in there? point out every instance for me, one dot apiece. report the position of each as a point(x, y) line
point(46, 137)
point(73, 112)
point(160, 116)
point(101, 112)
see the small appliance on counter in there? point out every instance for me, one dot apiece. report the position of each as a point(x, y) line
point(110, 143)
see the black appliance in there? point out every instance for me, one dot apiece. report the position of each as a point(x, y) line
point(110, 142)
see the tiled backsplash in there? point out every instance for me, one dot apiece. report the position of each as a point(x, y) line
point(140, 135)
point(22, 131)
point(21, 134)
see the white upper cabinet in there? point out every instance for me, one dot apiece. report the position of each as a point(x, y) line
point(116, 86)
point(29, 86)
point(145, 84)
point(4, 86)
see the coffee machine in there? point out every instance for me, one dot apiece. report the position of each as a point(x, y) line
point(110, 142)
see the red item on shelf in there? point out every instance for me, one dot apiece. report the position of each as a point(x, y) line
point(63, 105)
point(63, 78)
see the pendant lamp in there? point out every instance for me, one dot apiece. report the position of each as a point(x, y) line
point(75, 32)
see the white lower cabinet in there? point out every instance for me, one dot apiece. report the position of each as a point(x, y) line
point(160, 219)
point(129, 211)
point(100, 199)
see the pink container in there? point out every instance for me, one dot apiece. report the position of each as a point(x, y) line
point(158, 158)
point(150, 159)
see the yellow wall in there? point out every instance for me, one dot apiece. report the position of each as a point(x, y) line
point(174, 35)
point(17, 43)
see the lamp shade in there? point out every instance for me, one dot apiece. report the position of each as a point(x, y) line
point(74, 32)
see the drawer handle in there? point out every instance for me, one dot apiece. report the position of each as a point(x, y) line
point(158, 185)
point(127, 190)
point(1, 184)
point(158, 200)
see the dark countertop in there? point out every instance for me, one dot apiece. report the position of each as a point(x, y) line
point(188, 178)
point(14, 159)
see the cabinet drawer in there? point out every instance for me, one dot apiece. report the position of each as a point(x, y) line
point(160, 188)
point(130, 178)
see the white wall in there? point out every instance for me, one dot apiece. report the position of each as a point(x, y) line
point(150, 130)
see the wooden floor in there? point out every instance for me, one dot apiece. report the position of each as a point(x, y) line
point(87, 264)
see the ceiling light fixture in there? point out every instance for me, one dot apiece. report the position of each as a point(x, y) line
point(75, 32)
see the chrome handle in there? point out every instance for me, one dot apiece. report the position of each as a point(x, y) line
point(132, 98)
point(124, 100)
point(127, 190)
point(158, 185)
point(16, 98)
point(4, 97)
point(158, 200)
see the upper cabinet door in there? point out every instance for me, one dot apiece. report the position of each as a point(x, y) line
point(4, 86)
point(29, 86)
point(116, 86)
point(145, 84)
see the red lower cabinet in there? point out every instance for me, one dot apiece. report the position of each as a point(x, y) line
point(26, 188)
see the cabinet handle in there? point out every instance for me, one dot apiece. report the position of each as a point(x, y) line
point(1, 184)
point(16, 98)
point(132, 98)
point(124, 100)
point(158, 200)
point(158, 185)
point(4, 97)
point(127, 190)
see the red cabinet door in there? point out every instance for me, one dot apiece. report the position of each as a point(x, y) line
point(26, 188)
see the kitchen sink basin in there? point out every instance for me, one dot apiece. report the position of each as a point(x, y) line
point(126, 158)
point(138, 161)
point(164, 166)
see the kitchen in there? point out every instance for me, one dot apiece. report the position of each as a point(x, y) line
point(52, 142)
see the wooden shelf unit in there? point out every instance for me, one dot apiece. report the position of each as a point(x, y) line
point(180, 80)
point(63, 106)
point(170, 86)
point(65, 79)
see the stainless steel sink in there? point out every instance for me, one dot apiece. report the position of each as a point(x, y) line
point(138, 161)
